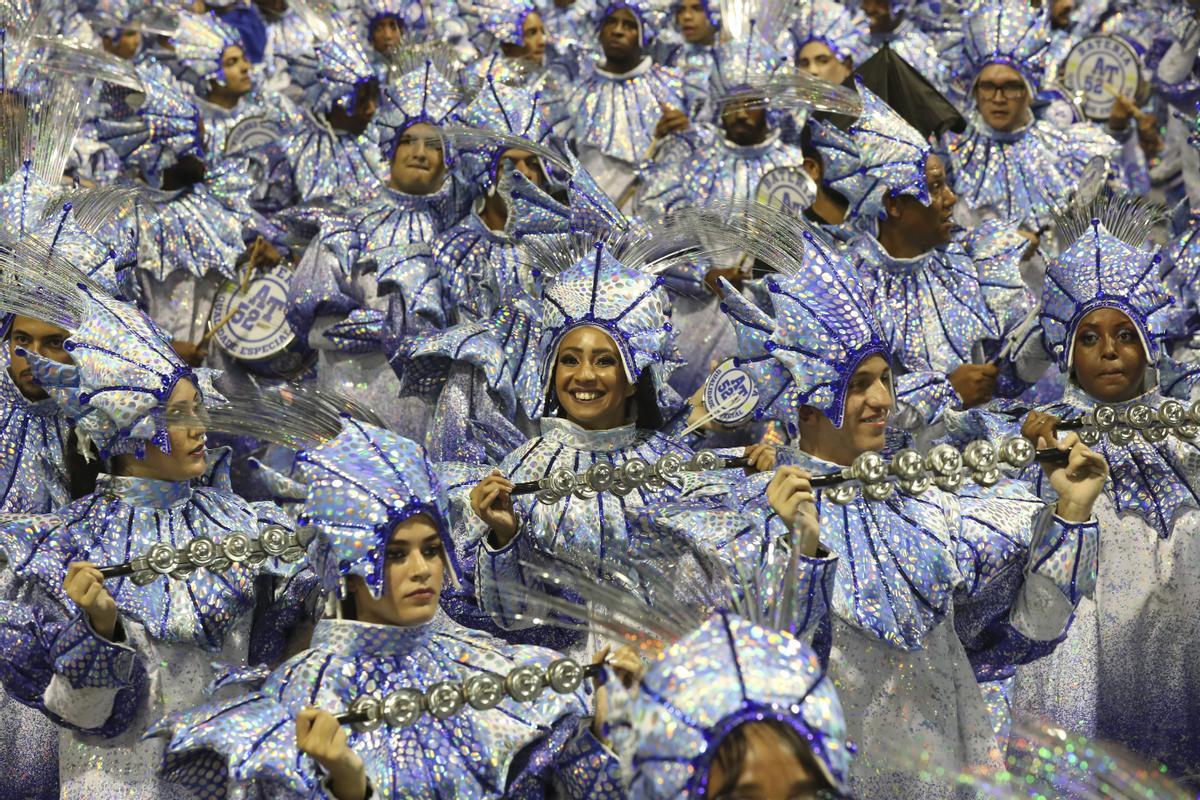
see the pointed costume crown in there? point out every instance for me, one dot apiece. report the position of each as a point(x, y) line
point(1007, 32)
point(1105, 264)
point(162, 128)
point(891, 159)
point(846, 34)
point(361, 485)
point(200, 44)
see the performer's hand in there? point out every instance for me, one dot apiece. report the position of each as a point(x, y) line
point(791, 497)
point(1079, 481)
point(492, 503)
point(734, 275)
point(85, 586)
point(1035, 241)
point(319, 735)
point(1041, 427)
point(975, 383)
point(672, 121)
point(629, 668)
point(193, 354)
point(761, 457)
point(1123, 110)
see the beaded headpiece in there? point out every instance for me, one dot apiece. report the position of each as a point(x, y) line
point(1007, 32)
point(819, 334)
point(891, 155)
point(200, 44)
point(122, 373)
point(1104, 264)
point(846, 34)
point(727, 673)
point(361, 485)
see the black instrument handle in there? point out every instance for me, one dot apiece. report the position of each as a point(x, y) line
point(117, 570)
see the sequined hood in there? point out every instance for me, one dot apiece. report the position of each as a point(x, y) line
point(1098, 270)
point(629, 305)
point(818, 333)
point(200, 44)
point(1009, 32)
point(123, 371)
point(164, 127)
point(504, 20)
point(502, 109)
point(423, 94)
point(361, 485)
point(891, 159)
point(332, 76)
point(845, 33)
point(727, 673)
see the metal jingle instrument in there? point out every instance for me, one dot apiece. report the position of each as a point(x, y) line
point(624, 478)
point(205, 553)
point(1121, 425)
point(403, 707)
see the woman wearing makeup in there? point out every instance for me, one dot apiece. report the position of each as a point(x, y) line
point(932, 590)
point(383, 551)
point(606, 352)
point(104, 658)
point(1104, 314)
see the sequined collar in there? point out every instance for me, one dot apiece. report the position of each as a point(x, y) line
point(432, 201)
point(145, 492)
point(638, 71)
point(753, 150)
point(12, 396)
point(351, 638)
point(563, 431)
point(879, 257)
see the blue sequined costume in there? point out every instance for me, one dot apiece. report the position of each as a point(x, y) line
point(361, 485)
point(933, 591)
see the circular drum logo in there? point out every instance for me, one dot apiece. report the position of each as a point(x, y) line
point(251, 325)
point(787, 188)
point(1098, 68)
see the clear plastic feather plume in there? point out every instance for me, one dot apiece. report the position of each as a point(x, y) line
point(96, 208)
point(789, 89)
point(317, 16)
point(721, 231)
point(739, 18)
point(409, 56)
point(297, 416)
point(65, 57)
point(464, 139)
point(152, 20)
point(40, 129)
point(1128, 218)
point(36, 282)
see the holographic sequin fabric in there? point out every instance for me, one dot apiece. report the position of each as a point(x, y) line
point(1098, 270)
point(820, 333)
point(469, 755)
point(500, 109)
point(332, 74)
point(729, 672)
point(1022, 176)
point(616, 114)
point(1005, 32)
point(361, 485)
point(162, 129)
point(419, 95)
point(330, 165)
point(200, 44)
point(944, 305)
point(891, 159)
point(844, 32)
point(504, 20)
point(629, 305)
point(33, 440)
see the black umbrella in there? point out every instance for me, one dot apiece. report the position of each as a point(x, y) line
point(906, 90)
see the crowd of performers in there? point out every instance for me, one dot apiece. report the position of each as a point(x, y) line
point(755, 399)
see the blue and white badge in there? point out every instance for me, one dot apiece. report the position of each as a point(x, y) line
point(1099, 67)
point(730, 394)
point(250, 134)
point(251, 325)
point(790, 189)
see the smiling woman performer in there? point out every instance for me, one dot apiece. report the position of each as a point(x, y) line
point(105, 658)
point(606, 352)
point(913, 593)
point(382, 548)
point(1103, 313)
